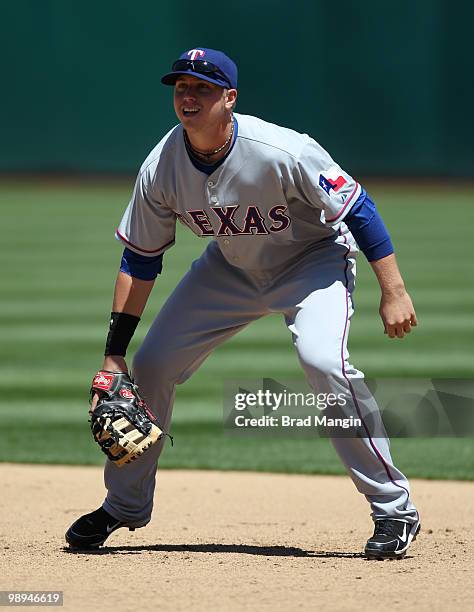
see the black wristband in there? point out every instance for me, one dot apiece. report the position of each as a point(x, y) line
point(121, 329)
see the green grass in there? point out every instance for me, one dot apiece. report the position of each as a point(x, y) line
point(57, 432)
point(59, 264)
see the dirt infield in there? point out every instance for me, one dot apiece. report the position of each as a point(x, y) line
point(234, 541)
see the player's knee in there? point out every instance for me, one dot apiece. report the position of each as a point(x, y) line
point(322, 362)
point(157, 367)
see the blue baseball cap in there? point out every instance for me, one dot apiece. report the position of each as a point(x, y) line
point(207, 64)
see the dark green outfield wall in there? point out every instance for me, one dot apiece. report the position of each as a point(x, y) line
point(387, 87)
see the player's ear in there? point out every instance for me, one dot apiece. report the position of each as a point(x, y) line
point(231, 99)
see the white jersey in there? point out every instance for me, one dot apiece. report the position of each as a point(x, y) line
point(277, 194)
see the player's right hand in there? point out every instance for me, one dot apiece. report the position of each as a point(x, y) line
point(112, 363)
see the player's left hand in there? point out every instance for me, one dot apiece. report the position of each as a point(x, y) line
point(397, 313)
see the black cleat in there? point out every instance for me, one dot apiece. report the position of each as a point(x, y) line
point(91, 530)
point(391, 539)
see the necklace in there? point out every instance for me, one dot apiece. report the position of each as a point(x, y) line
point(211, 153)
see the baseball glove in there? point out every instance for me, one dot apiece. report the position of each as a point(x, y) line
point(121, 423)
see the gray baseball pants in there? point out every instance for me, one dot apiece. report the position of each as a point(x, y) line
point(214, 301)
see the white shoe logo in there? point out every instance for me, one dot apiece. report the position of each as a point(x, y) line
point(404, 535)
point(110, 528)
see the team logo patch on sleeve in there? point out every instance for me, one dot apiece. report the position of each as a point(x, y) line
point(327, 183)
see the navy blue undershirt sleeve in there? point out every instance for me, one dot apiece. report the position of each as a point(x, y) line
point(139, 266)
point(368, 229)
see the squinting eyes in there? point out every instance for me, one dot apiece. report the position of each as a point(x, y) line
point(200, 88)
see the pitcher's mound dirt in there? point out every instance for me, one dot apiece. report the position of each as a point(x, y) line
point(234, 541)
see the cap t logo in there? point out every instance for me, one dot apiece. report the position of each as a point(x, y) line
point(195, 53)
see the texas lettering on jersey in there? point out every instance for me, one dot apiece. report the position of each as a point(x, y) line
point(254, 222)
point(278, 188)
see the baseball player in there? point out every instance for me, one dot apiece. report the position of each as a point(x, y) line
point(284, 224)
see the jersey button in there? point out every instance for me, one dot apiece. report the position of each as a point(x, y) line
point(226, 242)
point(210, 183)
point(214, 199)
